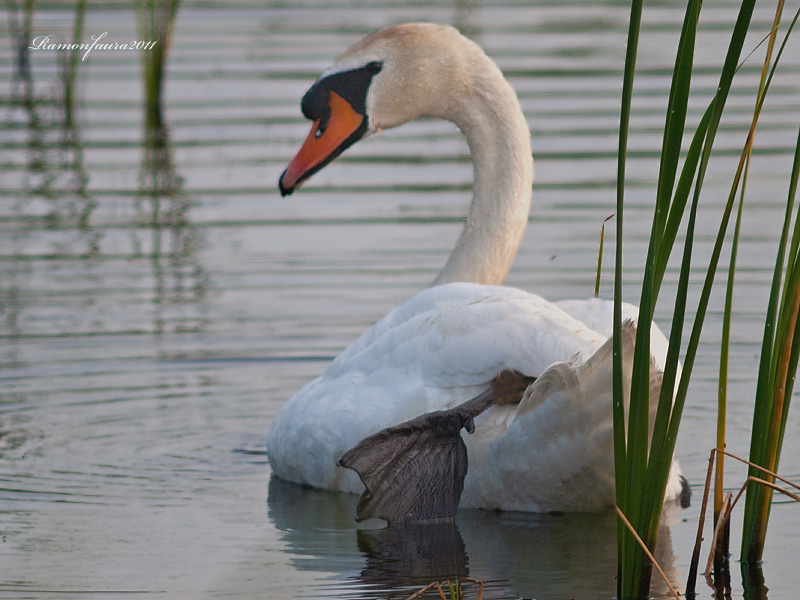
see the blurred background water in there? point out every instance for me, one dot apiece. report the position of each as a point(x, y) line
point(159, 300)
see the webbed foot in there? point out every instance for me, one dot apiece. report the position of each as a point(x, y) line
point(415, 471)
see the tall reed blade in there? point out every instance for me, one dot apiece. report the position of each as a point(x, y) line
point(646, 456)
point(779, 355)
point(625, 541)
point(780, 348)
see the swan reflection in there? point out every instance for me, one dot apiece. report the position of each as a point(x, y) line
point(515, 554)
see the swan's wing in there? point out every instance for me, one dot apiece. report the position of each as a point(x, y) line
point(598, 315)
point(439, 349)
point(462, 334)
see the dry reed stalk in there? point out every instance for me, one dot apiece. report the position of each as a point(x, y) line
point(459, 592)
point(728, 507)
point(652, 558)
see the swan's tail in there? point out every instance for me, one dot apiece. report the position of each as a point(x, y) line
point(556, 451)
point(590, 382)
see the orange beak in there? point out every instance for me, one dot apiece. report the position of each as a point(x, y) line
point(327, 139)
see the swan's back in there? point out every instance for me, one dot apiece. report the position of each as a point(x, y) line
point(435, 351)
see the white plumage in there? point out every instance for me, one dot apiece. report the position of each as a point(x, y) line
point(553, 450)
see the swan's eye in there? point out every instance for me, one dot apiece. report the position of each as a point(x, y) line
point(323, 122)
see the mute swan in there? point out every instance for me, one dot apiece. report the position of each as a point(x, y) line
point(553, 450)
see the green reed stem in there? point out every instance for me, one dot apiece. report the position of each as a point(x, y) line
point(71, 67)
point(779, 355)
point(642, 486)
point(779, 352)
point(625, 541)
point(156, 20)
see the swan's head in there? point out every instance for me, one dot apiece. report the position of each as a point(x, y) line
point(388, 78)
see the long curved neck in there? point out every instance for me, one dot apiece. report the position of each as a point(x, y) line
point(497, 133)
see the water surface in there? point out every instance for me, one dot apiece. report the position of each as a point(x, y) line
point(159, 306)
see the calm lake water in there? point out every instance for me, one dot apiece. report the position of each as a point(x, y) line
point(157, 308)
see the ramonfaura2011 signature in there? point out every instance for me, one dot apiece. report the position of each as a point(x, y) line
point(43, 42)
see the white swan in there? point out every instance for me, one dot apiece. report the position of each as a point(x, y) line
point(553, 450)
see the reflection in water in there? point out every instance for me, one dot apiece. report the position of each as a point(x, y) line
point(719, 579)
point(413, 555)
point(55, 172)
point(515, 554)
point(753, 584)
point(19, 26)
point(60, 230)
point(51, 182)
point(68, 67)
point(179, 279)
